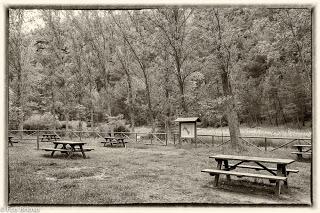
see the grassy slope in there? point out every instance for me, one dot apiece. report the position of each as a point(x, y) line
point(141, 174)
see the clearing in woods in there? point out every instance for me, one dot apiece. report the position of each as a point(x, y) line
point(143, 174)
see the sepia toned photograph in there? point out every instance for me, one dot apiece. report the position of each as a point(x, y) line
point(159, 105)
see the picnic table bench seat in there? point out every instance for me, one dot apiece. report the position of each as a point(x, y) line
point(49, 137)
point(54, 149)
point(243, 174)
point(114, 142)
point(303, 149)
point(306, 153)
point(66, 150)
point(217, 172)
point(11, 141)
point(260, 168)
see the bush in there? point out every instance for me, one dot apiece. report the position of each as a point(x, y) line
point(121, 128)
point(74, 125)
point(115, 126)
point(42, 122)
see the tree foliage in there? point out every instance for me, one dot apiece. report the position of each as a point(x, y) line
point(236, 65)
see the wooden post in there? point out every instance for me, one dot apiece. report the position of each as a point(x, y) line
point(174, 139)
point(265, 144)
point(166, 135)
point(80, 135)
point(212, 139)
point(216, 178)
point(151, 138)
point(38, 139)
point(179, 133)
point(136, 137)
point(195, 134)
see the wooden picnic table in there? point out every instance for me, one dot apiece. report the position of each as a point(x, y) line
point(49, 137)
point(302, 149)
point(277, 174)
point(11, 141)
point(114, 140)
point(69, 148)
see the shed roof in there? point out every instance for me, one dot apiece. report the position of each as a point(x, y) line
point(190, 119)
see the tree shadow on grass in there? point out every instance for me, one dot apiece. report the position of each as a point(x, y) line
point(64, 156)
point(114, 146)
point(255, 189)
point(304, 160)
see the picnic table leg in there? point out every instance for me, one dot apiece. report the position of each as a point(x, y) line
point(280, 169)
point(226, 166)
point(55, 146)
point(10, 141)
point(81, 148)
point(285, 174)
point(300, 150)
point(216, 178)
point(71, 151)
point(64, 147)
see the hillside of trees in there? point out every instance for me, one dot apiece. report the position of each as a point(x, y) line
point(251, 66)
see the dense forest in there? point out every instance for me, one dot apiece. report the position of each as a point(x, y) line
point(247, 66)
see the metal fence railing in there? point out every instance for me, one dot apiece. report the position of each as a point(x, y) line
point(164, 139)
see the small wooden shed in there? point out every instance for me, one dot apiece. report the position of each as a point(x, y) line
point(188, 128)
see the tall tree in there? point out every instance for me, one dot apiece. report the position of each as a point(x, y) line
point(139, 54)
point(16, 54)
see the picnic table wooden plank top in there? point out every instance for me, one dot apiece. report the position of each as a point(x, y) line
point(250, 158)
point(68, 142)
point(115, 138)
point(302, 145)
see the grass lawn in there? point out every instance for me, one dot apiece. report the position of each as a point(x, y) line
point(142, 174)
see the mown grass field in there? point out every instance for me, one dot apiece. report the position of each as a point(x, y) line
point(143, 174)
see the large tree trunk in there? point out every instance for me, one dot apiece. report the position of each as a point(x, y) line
point(53, 106)
point(91, 118)
point(67, 123)
point(131, 104)
point(233, 123)
point(150, 111)
point(20, 96)
point(232, 116)
point(167, 121)
point(182, 98)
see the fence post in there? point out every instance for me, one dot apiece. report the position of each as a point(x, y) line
point(212, 139)
point(136, 137)
point(151, 138)
point(265, 144)
point(38, 139)
point(80, 135)
point(166, 135)
point(174, 139)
